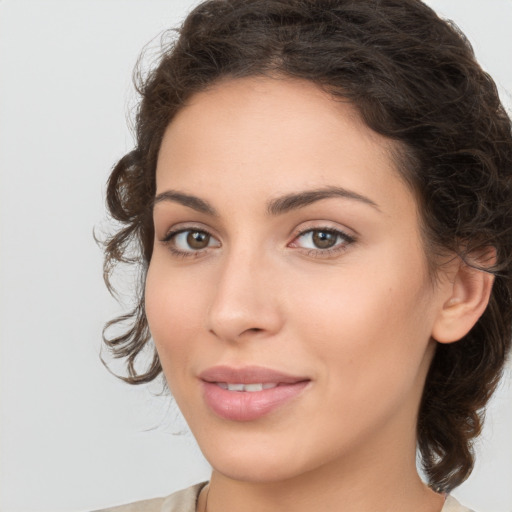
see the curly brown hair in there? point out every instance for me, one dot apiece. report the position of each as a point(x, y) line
point(414, 79)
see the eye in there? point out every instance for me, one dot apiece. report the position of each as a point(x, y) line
point(322, 240)
point(185, 242)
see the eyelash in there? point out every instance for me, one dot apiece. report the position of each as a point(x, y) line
point(313, 252)
point(171, 236)
point(343, 240)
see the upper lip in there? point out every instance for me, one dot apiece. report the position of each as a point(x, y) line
point(248, 375)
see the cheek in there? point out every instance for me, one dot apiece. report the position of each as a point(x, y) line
point(369, 328)
point(173, 304)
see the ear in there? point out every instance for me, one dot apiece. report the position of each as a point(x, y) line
point(466, 293)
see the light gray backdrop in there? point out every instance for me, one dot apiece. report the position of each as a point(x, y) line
point(73, 438)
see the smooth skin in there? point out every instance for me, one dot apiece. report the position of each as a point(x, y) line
point(333, 286)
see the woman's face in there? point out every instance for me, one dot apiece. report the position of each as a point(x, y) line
point(288, 294)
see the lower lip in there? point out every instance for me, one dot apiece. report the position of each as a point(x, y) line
point(249, 405)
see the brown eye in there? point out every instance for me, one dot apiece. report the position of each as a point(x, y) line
point(198, 240)
point(324, 239)
point(187, 242)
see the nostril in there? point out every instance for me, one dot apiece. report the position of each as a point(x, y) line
point(238, 315)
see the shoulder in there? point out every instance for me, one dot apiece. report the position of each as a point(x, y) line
point(452, 505)
point(180, 501)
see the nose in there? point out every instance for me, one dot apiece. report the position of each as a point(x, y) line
point(246, 302)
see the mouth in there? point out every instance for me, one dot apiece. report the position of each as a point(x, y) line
point(249, 388)
point(249, 393)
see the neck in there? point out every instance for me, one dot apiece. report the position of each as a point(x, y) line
point(379, 476)
point(357, 491)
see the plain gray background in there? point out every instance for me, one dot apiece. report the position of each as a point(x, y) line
point(73, 438)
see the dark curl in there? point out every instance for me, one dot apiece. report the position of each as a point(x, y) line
point(414, 79)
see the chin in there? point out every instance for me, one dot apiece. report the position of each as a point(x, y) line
point(255, 471)
point(259, 460)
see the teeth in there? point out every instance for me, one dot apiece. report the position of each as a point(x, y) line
point(247, 387)
point(253, 387)
point(235, 387)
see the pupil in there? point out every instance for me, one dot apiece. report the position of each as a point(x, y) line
point(198, 240)
point(324, 239)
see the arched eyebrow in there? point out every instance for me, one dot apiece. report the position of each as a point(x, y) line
point(298, 200)
point(188, 200)
point(277, 206)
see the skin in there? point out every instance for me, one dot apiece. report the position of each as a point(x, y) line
point(357, 321)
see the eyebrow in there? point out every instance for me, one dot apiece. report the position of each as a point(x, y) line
point(188, 200)
point(298, 200)
point(277, 206)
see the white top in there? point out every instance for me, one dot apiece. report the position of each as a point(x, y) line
point(186, 499)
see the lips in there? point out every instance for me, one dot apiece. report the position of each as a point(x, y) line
point(250, 388)
point(248, 393)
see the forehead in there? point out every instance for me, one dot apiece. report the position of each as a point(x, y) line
point(259, 136)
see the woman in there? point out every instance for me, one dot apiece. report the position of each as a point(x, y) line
point(321, 196)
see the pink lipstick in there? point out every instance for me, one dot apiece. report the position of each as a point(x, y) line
point(248, 393)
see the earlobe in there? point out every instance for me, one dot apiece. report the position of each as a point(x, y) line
point(468, 295)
